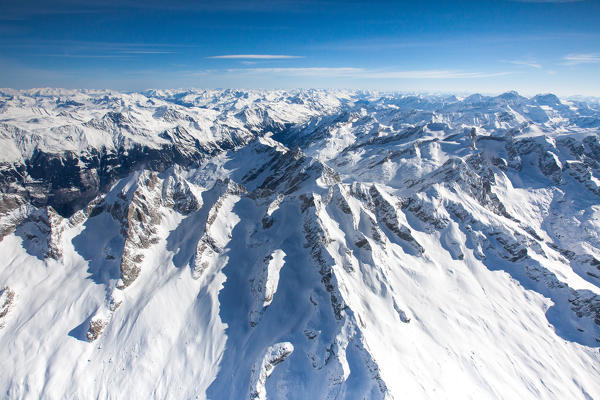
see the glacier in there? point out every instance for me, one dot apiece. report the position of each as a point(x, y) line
point(293, 244)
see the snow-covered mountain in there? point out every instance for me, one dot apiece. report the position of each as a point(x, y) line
point(298, 245)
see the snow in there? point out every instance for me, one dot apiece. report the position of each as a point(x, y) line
point(275, 265)
point(260, 373)
point(386, 258)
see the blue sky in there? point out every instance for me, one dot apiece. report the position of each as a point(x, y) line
point(486, 46)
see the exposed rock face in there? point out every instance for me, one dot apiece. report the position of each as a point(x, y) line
point(317, 239)
point(274, 355)
point(13, 210)
point(138, 229)
point(387, 214)
point(210, 245)
point(587, 306)
point(178, 194)
point(551, 166)
point(7, 298)
point(41, 230)
point(264, 284)
point(235, 244)
point(96, 328)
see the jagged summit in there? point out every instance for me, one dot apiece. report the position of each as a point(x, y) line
point(298, 244)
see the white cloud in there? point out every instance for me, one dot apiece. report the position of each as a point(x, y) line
point(146, 52)
point(255, 56)
point(124, 55)
point(526, 63)
point(583, 58)
point(309, 71)
point(361, 73)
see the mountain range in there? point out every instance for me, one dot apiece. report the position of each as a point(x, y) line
point(295, 244)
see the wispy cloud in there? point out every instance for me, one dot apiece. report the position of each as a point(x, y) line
point(119, 54)
point(582, 58)
point(308, 71)
point(359, 73)
point(91, 49)
point(87, 55)
point(141, 52)
point(255, 56)
point(526, 63)
point(93, 45)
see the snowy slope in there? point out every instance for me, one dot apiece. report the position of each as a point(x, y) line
point(298, 244)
